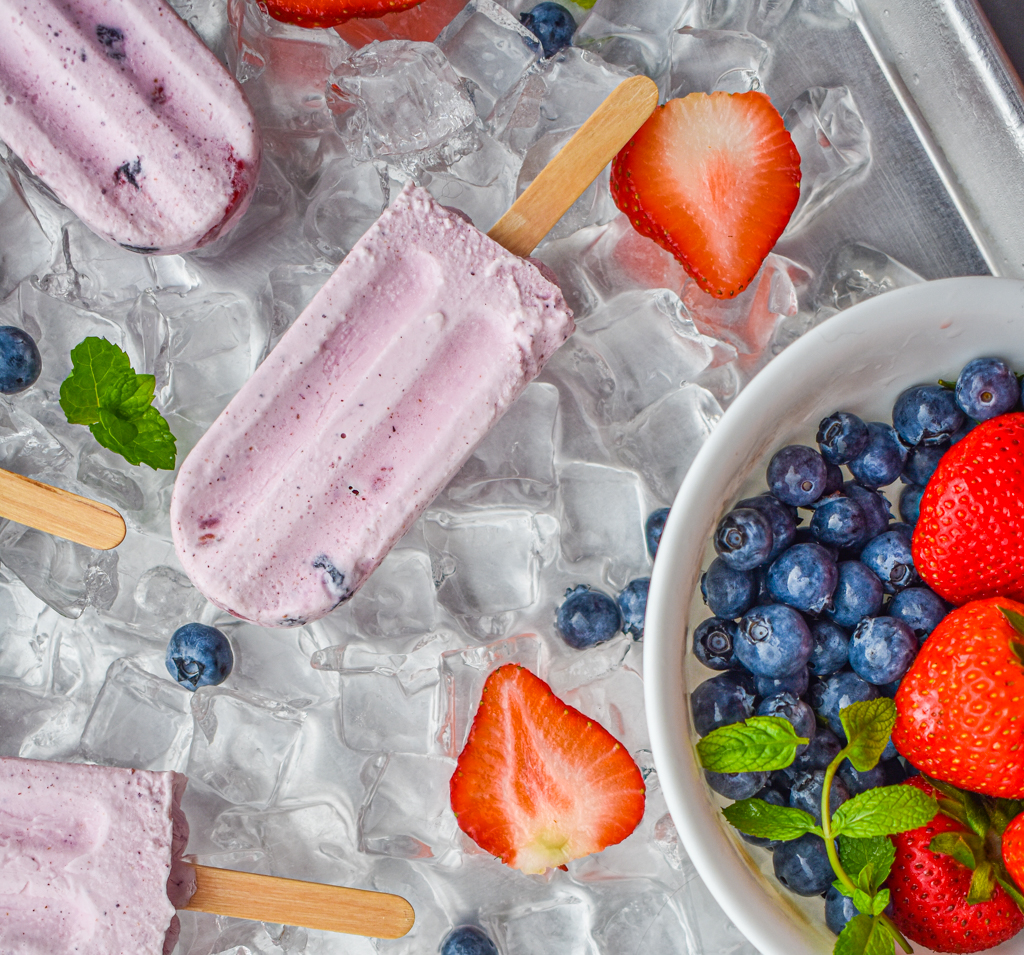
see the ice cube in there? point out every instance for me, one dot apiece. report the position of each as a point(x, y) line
point(25, 645)
point(167, 595)
point(514, 463)
point(405, 812)
point(24, 247)
point(647, 911)
point(706, 61)
point(425, 891)
point(399, 98)
point(561, 923)
point(834, 146)
point(399, 599)
point(27, 447)
point(856, 272)
point(138, 721)
point(662, 441)
point(614, 698)
point(23, 714)
point(110, 484)
point(490, 48)
point(602, 513)
point(347, 199)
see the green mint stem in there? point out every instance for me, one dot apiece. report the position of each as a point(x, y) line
point(897, 934)
point(826, 820)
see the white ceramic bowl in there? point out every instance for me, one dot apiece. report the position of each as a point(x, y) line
point(858, 361)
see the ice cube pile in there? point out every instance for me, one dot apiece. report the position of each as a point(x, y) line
point(338, 771)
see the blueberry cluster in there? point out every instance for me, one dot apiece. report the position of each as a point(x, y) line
point(809, 617)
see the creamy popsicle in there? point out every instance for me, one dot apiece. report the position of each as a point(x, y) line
point(376, 395)
point(90, 859)
point(132, 122)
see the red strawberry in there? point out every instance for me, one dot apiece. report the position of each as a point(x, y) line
point(329, 13)
point(929, 893)
point(960, 707)
point(538, 784)
point(967, 541)
point(422, 23)
point(713, 178)
point(1013, 849)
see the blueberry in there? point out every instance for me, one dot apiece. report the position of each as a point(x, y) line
point(587, 617)
point(910, 503)
point(839, 522)
point(653, 529)
point(795, 711)
point(858, 594)
point(468, 940)
point(20, 363)
point(806, 792)
point(552, 24)
point(774, 640)
point(882, 459)
point(736, 785)
point(773, 797)
point(724, 699)
point(889, 556)
point(713, 643)
point(839, 909)
point(743, 538)
point(795, 683)
point(919, 608)
point(802, 865)
point(841, 437)
point(839, 691)
point(875, 506)
point(198, 655)
point(860, 782)
point(820, 751)
point(927, 414)
point(633, 606)
point(797, 475)
point(831, 648)
point(781, 516)
point(987, 387)
point(728, 592)
point(803, 577)
point(921, 463)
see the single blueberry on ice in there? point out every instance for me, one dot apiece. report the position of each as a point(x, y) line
point(587, 617)
point(653, 529)
point(633, 605)
point(468, 940)
point(552, 24)
point(987, 387)
point(20, 362)
point(198, 655)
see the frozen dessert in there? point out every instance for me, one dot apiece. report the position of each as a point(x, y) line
point(376, 395)
point(90, 859)
point(132, 122)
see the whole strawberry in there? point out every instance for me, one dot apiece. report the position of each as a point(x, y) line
point(968, 538)
point(929, 891)
point(960, 707)
point(1013, 849)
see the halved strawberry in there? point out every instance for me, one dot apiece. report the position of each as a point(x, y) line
point(538, 784)
point(329, 13)
point(421, 23)
point(713, 178)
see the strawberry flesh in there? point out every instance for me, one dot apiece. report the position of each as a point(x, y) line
point(539, 784)
point(421, 23)
point(712, 178)
point(329, 13)
point(929, 893)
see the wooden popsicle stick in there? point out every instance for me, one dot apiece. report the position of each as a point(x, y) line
point(563, 180)
point(59, 512)
point(245, 895)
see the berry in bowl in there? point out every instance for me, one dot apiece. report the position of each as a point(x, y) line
point(785, 613)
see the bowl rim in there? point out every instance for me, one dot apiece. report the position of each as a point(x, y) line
point(734, 882)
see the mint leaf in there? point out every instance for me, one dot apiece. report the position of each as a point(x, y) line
point(760, 744)
point(983, 884)
point(879, 902)
point(962, 847)
point(756, 817)
point(864, 902)
point(868, 726)
point(879, 812)
point(105, 393)
point(864, 935)
point(872, 858)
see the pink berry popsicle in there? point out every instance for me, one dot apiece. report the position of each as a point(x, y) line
point(90, 859)
point(122, 111)
point(376, 395)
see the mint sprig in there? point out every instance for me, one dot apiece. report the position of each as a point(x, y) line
point(104, 392)
point(759, 744)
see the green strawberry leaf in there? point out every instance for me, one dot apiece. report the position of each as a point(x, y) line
point(867, 861)
point(761, 744)
point(883, 811)
point(864, 935)
point(964, 847)
point(868, 726)
point(105, 393)
point(1011, 890)
point(1016, 621)
point(983, 884)
point(756, 817)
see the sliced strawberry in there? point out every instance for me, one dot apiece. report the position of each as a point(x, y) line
point(538, 784)
point(329, 13)
point(713, 178)
point(421, 23)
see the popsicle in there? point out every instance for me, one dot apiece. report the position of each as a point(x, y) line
point(91, 863)
point(380, 390)
point(119, 108)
